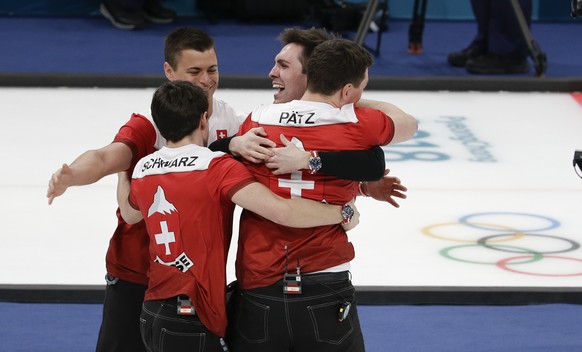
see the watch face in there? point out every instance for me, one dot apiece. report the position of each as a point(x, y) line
point(314, 164)
point(347, 212)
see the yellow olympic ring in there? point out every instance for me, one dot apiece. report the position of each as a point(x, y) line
point(428, 231)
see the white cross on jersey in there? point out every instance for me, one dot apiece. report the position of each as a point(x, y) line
point(220, 134)
point(296, 184)
point(165, 237)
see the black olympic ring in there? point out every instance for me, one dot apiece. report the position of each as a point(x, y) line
point(574, 245)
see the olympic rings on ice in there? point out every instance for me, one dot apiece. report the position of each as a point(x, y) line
point(466, 231)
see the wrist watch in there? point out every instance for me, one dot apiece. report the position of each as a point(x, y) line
point(314, 162)
point(347, 213)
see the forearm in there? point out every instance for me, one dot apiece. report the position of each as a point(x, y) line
point(93, 165)
point(221, 145)
point(128, 213)
point(296, 212)
point(387, 108)
point(304, 213)
point(87, 169)
point(354, 165)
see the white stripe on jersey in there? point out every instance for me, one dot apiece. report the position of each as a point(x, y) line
point(160, 141)
point(168, 160)
point(302, 113)
point(224, 117)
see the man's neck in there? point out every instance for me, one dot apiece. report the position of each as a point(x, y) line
point(332, 100)
point(194, 138)
point(210, 106)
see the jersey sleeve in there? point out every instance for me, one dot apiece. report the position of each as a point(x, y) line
point(246, 125)
point(229, 176)
point(377, 127)
point(139, 135)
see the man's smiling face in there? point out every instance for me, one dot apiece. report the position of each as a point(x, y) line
point(287, 75)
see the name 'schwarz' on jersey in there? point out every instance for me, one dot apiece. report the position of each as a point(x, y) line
point(175, 163)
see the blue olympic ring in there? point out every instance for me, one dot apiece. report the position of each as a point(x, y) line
point(553, 223)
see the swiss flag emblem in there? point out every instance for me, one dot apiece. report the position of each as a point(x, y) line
point(167, 234)
point(220, 134)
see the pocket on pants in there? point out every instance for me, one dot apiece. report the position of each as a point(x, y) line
point(327, 328)
point(145, 329)
point(179, 341)
point(252, 320)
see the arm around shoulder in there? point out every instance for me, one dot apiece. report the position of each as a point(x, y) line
point(405, 125)
point(295, 212)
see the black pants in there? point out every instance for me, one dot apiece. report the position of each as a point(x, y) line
point(498, 31)
point(120, 325)
point(267, 320)
point(163, 329)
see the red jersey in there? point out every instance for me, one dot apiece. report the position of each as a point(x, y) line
point(127, 256)
point(185, 196)
point(265, 247)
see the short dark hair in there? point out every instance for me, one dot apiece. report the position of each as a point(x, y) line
point(185, 38)
point(308, 38)
point(177, 107)
point(335, 63)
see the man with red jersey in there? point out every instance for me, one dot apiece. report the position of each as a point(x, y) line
point(289, 79)
point(189, 55)
point(295, 292)
point(187, 194)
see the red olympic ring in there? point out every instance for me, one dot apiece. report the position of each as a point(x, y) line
point(503, 265)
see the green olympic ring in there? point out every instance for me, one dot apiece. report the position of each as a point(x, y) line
point(536, 256)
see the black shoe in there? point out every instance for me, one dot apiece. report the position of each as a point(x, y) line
point(459, 58)
point(122, 18)
point(154, 12)
point(492, 64)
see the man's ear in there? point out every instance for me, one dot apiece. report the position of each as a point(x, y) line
point(346, 92)
point(203, 120)
point(168, 71)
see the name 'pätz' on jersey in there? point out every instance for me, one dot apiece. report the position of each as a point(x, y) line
point(296, 118)
point(311, 114)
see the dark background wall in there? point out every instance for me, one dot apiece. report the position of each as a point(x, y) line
point(544, 10)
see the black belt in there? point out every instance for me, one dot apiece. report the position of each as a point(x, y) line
point(181, 304)
point(324, 278)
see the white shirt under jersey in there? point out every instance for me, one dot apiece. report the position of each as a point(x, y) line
point(224, 122)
